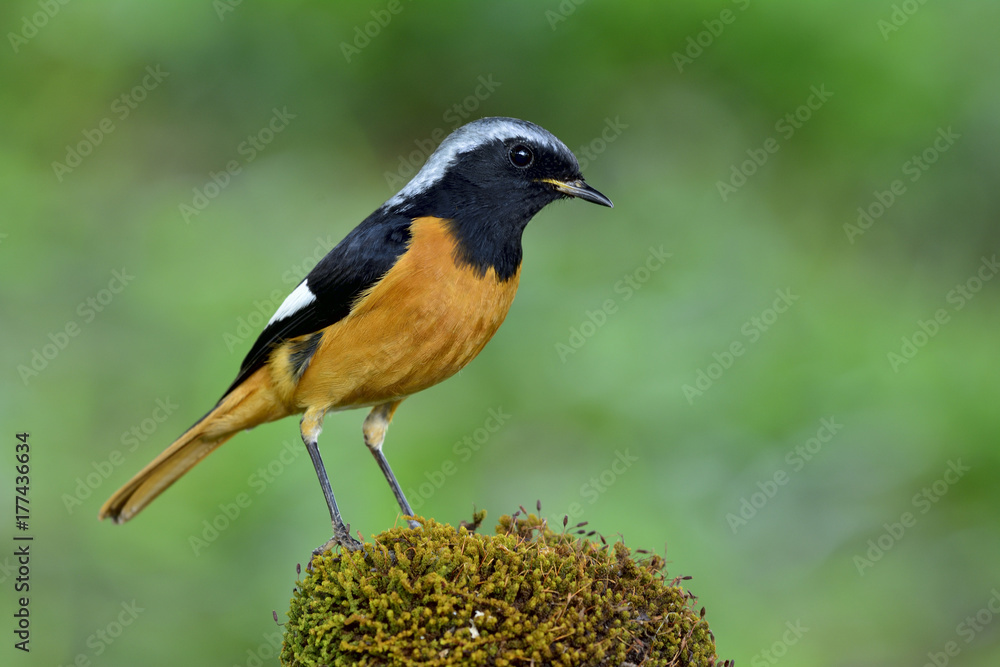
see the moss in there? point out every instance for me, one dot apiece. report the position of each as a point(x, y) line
point(525, 596)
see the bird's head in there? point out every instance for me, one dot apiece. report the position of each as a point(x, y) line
point(497, 167)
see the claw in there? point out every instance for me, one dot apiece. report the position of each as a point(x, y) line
point(340, 538)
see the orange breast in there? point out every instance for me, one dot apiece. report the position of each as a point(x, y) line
point(424, 321)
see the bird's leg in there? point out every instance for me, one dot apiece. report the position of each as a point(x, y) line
point(311, 426)
point(376, 424)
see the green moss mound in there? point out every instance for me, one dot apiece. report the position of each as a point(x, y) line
point(525, 596)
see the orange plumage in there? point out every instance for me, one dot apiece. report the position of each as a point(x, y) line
point(420, 324)
point(404, 301)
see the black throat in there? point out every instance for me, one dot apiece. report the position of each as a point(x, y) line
point(487, 226)
point(485, 244)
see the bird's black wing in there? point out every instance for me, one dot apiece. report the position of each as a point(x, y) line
point(352, 266)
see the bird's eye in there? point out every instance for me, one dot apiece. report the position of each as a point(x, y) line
point(521, 156)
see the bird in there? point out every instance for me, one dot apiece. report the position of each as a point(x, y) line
point(407, 299)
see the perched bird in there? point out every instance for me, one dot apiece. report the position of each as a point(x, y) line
point(404, 301)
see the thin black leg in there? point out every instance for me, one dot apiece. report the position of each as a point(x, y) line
point(341, 532)
point(396, 491)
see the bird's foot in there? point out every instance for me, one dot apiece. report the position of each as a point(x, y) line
point(341, 537)
point(413, 524)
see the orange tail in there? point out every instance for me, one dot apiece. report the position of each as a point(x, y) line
point(251, 403)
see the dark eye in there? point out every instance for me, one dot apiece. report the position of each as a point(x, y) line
point(521, 156)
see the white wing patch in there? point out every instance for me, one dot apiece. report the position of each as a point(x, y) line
point(300, 297)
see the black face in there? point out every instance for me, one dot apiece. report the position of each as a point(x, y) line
point(489, 191)
point(501, 182)
point(511, 178)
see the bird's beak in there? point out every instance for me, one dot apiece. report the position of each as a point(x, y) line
point(579, 189)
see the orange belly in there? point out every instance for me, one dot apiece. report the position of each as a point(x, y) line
point(425, 320)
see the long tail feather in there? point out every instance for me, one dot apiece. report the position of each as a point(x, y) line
point(247, 405)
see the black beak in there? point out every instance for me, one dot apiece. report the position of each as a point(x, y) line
point(580, 189)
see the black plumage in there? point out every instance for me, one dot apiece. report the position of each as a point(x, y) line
point(352, 266)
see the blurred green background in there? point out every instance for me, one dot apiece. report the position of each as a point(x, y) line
point(682, 411)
